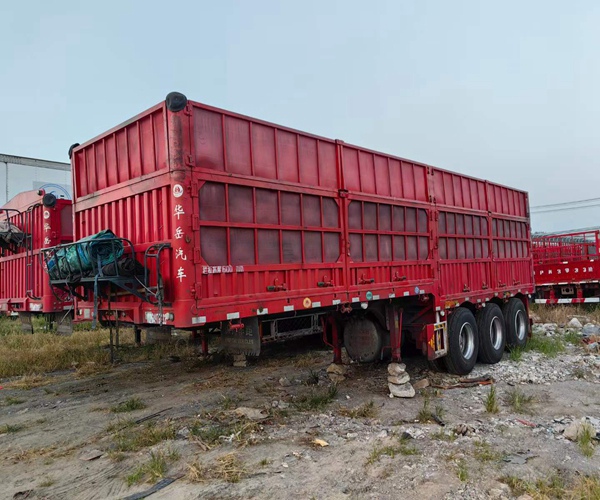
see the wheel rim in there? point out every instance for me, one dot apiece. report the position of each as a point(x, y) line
point(520, 325)
point(466, 340)
point(496, 333)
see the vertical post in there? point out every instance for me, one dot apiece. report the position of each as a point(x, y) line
point(395, 332)
point(335, 340)
point(204, 343)
point(137, 332)
point(117, 330)
point(112, 346)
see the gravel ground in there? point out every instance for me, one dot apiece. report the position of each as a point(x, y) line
point(303, 441)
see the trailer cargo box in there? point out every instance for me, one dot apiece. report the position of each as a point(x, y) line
point(31, 221)
point(567, 269)
point(259, 232)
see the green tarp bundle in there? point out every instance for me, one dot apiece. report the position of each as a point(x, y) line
point(86, 257)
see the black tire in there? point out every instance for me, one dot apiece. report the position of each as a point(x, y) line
point(438, 365)
point(515, 317)
point(463, 342)
point(492, 334)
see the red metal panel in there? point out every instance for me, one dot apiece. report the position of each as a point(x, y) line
point(569, 258)
point(23, 283)
point(265, 219)
point(136, 148)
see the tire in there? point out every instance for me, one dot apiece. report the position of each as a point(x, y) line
point(492, 334)
point(463, 342)
point(363, 340)
point(515, 317)
point(438, 365)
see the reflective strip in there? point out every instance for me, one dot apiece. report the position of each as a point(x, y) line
point(592, 299)
point(564, 301)
point(355, 299)
point(288, 308)
point(392, 295)
point(199, 320)
point(264, 311)
point(375, 297)
point(335, 302)
point(406, 294)
point(438, 308)
point(316, 304)
point(233, 315)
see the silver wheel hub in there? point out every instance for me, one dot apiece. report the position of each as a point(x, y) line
point(466, 340)
point(520, 325)
point(496, 333)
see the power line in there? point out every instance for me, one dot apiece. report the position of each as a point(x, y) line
point(563, 209)
point(566, 203)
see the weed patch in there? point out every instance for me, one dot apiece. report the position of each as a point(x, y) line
point(491, 401)
point(317, 399)
point(11, 428)
point(154, 469)
point(519, 401)
point(128, 406)
point(585, 438)
point(134, 439)
point(9, 401)
point(366, 410)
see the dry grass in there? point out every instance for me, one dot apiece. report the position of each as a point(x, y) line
point(27, 382)
point(491, 401)
point(228, 468)
point(86, 350)
point(561, 314)
point(154, 469)
point(556, 485)
point(134, 439)
point(131, 404)
point(366, 410)
point(520, 402)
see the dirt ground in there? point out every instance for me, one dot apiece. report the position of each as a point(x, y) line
point(62, 434)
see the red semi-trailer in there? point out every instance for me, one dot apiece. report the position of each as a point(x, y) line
point(30, 221)
point(257, 232)
point(566, 267)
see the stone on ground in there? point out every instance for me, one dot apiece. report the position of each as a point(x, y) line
point(396, 368)
point(399, 379)
point(574, 323)
point(401, 391)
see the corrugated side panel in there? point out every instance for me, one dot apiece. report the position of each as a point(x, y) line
point(142, 218)
point(388, 213)
point(233, 144)
point(269, 214)
point(368, 172)
point(253, 238)
point(507, 201)
point(135, 149)
point(458, 191)
point(45, 226)
point(464, 252)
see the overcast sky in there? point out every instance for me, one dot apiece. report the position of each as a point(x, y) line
point(508, 91)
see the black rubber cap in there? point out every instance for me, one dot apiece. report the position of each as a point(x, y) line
point(73, 146)
point(176, 101)
point(49, 200)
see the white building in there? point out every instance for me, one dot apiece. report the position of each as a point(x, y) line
point(18, 174)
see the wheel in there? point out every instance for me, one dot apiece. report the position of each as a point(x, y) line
point(492, 334)
point(363, 340)
point(515, 317)
point(437, 365)
point(463, 342)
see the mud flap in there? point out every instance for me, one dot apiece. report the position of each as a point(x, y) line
point(26, 324)
point(64, 323)
point(437, 343)
point(245, 340)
